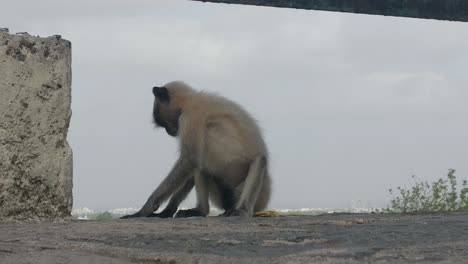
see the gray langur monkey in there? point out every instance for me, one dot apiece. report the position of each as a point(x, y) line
point(222, 154)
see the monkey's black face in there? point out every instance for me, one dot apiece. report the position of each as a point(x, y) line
point(163, 114)
point(159, 120)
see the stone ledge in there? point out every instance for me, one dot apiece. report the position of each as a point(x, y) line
point(339, 238)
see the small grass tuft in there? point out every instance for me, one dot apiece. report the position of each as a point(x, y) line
point(439, 196)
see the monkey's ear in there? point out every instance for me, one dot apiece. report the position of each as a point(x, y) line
point(161, 93)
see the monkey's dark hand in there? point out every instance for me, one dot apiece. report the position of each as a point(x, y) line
point(128, 216)
point(189, 213)
point(135, 215)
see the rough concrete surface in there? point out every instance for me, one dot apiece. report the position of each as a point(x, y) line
point(345, 238)
point(35, 98)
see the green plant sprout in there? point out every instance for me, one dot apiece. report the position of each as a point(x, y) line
point(440, 196)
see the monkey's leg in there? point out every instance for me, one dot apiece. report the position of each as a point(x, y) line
point(251, 190)
point(203, 207)
point(181, 170)
point(223, 196)
point(176, 199)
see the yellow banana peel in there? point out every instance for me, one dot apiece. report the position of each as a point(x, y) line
point(267, 214)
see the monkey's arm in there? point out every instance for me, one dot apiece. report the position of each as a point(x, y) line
point(201, 187)
point(181, 170)
point(176, 199)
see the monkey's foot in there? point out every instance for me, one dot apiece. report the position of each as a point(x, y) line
point(189, 213)
point(226, 213)
point(164, 214)
point(234, 212)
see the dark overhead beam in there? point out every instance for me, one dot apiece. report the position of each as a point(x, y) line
point(452, 10)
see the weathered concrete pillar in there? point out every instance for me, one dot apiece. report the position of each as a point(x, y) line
point(35, 98)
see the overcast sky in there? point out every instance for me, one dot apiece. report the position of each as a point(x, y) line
point(351, 105)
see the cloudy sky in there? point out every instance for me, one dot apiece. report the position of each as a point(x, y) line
point(351, 105)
